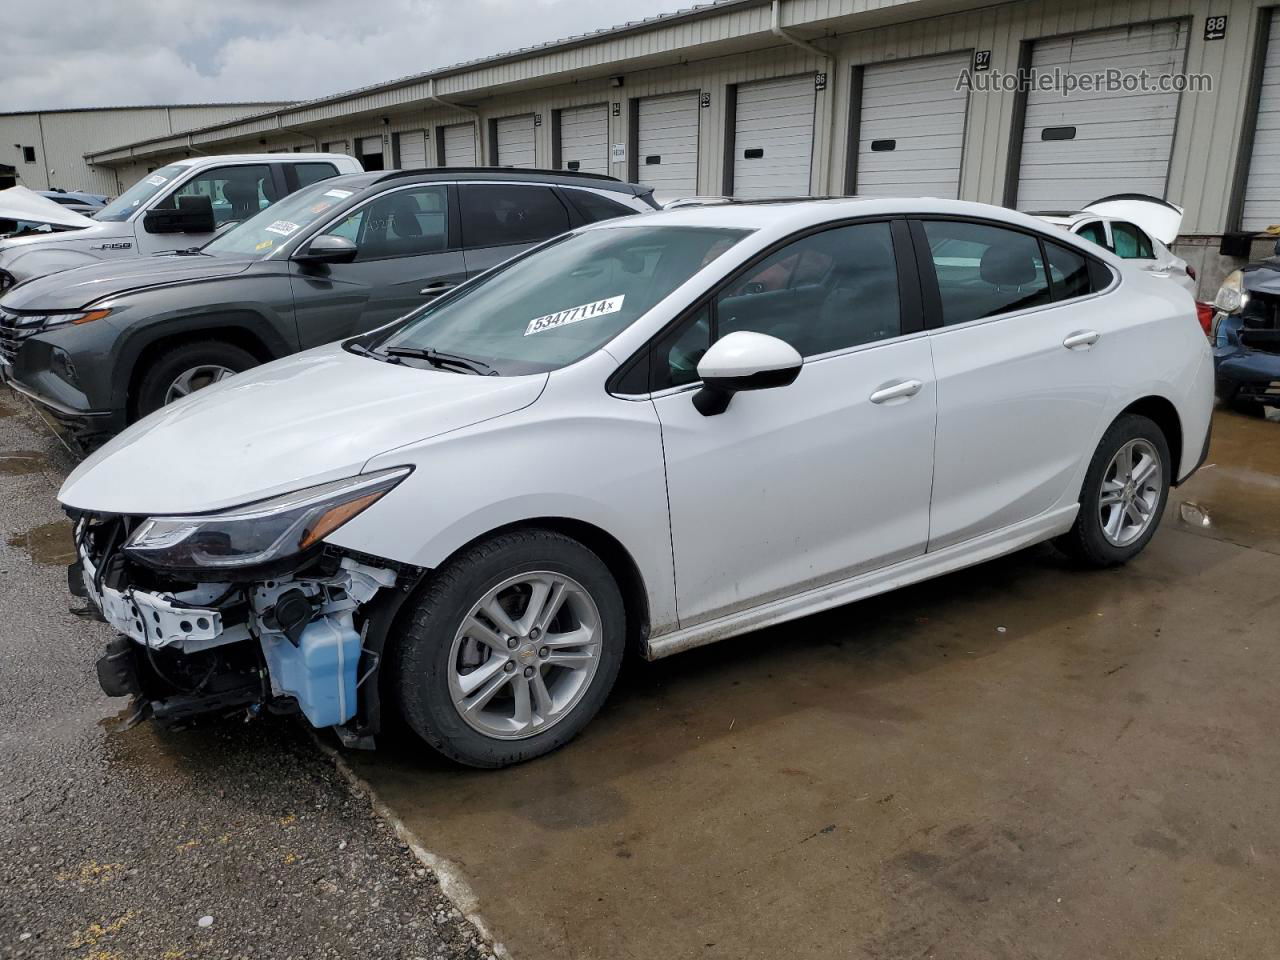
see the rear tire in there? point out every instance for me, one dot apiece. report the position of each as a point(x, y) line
point(1124, 494)
point(542, 687)
point(193, 365)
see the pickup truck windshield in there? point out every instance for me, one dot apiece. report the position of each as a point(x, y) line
point(563, 301)
point(124, 206)
point(270, 228)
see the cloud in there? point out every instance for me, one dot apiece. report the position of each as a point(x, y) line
point(63, 53)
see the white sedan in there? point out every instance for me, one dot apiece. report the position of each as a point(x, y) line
point(661, 431)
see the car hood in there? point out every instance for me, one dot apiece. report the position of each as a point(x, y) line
point(1263, 277)
point(19, 203)
point(1160, 218)
point(306, 419)
point(80, 286)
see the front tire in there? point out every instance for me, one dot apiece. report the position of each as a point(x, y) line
point(1124, 494)
point(511, 649)
point(188, 368)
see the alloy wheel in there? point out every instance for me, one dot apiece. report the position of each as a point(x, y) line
point(524, 655)
point(1131, 491)
point(196, 378)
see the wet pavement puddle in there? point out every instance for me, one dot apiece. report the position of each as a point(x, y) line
point(50, 544)
point(1235, 496)
point(17, 463)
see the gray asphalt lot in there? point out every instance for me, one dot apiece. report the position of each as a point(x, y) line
point(116, 844)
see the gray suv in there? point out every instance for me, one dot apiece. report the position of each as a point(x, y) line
point(99, 346)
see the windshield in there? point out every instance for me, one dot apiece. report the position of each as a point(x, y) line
point(265, 231)
point(123, 206)
point(567, 299)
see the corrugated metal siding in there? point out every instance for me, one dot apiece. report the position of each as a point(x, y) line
point(62, 138)
point(735, 47)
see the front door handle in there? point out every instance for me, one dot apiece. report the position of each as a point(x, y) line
point(898, 390)
point(1081, 338)
point(436, 288)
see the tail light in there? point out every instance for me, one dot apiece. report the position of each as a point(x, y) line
point(1204, 313)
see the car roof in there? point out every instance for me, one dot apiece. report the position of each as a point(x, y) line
point(1065, 218)
point(567, 178)
point(784, 216)
point(255, 158)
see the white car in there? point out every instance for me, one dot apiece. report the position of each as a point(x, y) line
point(1135, 227)
point(662, 431)
point(178, 206)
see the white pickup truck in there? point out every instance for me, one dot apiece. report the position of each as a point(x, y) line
point(178, 206)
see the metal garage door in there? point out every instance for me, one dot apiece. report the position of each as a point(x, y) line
point(413, 149)
point(1093, 143)
point(1262, 194)
point(370, 155)
point(336, 146)
point(584, 139)
point(667, 145)
point(515, 141)
point(773, 138)
point(911, 128)
point(459, 145)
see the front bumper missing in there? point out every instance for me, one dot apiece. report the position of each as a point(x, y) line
point(218, 648)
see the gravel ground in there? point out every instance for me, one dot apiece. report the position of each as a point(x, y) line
point(232, 840)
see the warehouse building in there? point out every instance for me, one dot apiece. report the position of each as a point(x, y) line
point(754, 98)
point(45, 150)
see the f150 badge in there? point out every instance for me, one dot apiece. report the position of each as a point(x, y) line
point(117, 245)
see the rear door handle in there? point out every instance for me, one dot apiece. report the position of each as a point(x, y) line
point(1081, 338)
point(436, 288)
point(898, 390)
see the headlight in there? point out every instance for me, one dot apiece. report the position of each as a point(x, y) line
point(43, 321)
point(1232, 295)
point(258, 533)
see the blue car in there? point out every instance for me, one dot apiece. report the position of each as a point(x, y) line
point(1246, 336)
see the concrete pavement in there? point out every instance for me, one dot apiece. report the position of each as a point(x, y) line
point(1019, 760)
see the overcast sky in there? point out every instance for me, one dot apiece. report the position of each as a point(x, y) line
point(73, 53)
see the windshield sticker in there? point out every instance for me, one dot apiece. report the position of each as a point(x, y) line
point(265, 244)
point(338, 194)
point(157, 180)
point(574, 314)
point(283, 227)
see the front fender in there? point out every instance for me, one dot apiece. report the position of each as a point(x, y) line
point(600, 464)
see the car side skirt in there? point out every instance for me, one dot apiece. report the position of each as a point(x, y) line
point(924, 567)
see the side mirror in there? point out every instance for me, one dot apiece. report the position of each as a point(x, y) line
point(743, 361)
point(192, 215)
point(1276, 251)
point(327, 248)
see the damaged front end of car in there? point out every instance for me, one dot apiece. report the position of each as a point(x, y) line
point(245, 609)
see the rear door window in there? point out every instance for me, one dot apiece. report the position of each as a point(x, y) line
point(494, 214)
point(984, 271)
point(299, 175)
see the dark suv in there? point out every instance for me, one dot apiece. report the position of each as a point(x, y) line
point(101, 345)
